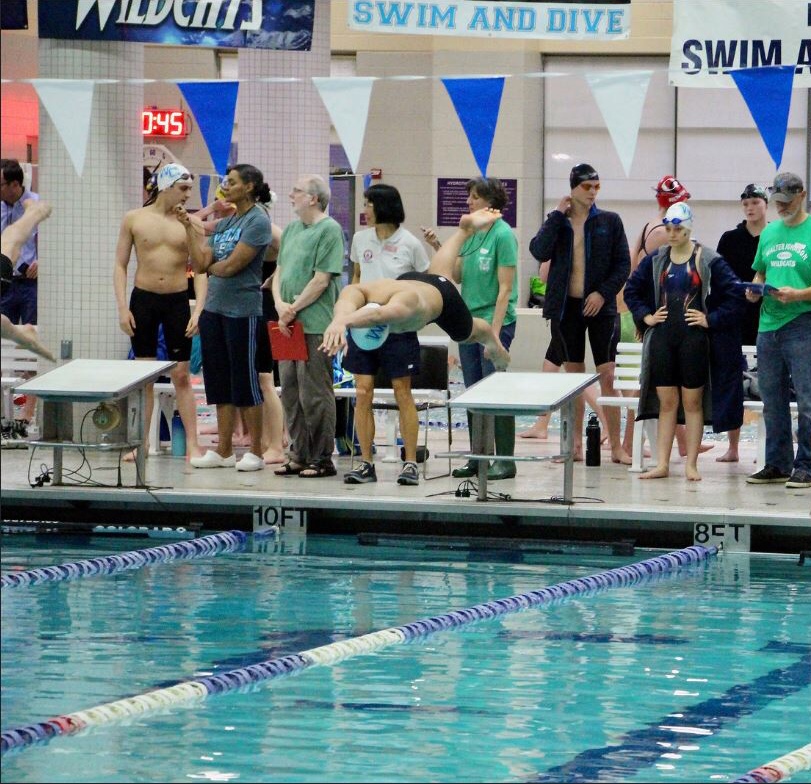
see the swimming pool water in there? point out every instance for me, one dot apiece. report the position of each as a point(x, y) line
point(697, 678)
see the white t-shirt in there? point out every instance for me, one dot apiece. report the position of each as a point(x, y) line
point(389, 258)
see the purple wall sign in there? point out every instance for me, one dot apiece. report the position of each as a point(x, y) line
point(451, 200)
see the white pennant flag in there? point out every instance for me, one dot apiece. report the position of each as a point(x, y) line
point(621, 97)
point(69, 103)
point(347, 101)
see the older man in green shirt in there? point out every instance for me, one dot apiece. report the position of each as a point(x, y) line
point(305, 288)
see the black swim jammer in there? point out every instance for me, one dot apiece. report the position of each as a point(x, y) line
point(455, 317)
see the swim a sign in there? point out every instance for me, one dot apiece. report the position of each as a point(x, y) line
point(257, 24)
point(712, 38)
point(570, 19)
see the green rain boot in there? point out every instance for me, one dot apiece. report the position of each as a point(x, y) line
point(504, 427)
point(471, 468)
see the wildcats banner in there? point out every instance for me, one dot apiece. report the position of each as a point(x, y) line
point(254, 24)
point(565, 19)
point(711, 38)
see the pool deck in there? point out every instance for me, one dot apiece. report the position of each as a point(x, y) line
point(610, 502)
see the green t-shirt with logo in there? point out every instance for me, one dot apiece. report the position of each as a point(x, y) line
point(482, 255)
point(306, 249)
point(783, 257)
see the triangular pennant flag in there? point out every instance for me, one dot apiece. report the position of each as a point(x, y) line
point(205, 184)
point(69, 104)
point(213, 105)
point(621, 98)
point(347, 101)
point(477, 103)
point(767, 92)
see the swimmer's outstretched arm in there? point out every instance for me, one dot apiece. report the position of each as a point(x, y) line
point(444, 259)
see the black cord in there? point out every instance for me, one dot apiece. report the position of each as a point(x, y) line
point(476, 249)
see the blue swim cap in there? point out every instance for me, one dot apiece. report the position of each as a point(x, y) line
point(370, 338)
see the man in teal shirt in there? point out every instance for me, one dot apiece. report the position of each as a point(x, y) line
point(783, 260)
point(305, 288)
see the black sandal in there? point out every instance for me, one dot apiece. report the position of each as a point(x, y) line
point(290, 469)
point(318, 470)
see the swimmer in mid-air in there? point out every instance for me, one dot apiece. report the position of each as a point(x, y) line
point(408, 303)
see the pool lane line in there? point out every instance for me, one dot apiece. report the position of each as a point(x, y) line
point(642, 748)
point(213, 544)
point(199, 689)
point(776, 770)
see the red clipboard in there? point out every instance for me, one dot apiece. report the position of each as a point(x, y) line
point(283, 348)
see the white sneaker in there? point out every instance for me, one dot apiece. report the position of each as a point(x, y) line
point(212, 459)
point(250, 462)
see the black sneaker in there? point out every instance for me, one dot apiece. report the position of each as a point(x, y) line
point(799, 478)
point(409, 475)
point(768, 475)
point(365, 472)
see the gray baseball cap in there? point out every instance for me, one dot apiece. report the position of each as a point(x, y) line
point(786, 187)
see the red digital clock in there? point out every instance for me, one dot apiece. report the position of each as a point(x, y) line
point(164, 122)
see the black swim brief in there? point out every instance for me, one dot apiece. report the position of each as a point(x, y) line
point(455, 317)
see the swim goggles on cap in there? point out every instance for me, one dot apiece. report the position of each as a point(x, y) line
point(754, 192)
point(675, 221)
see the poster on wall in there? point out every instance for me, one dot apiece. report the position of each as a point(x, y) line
point(251, 24)
point(711, 38)
point(590, 20)
point(451, 200)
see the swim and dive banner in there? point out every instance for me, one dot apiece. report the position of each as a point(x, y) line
point(712, 38)
point(250, 24)
point(565, 19)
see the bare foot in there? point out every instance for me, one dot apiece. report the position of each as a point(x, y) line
point(541, 435)
point(32, 343)
point(130, 456)
point(620, 456)
point(691, 472)
point(39, 209)
point(578, 456)
point(272, 456)
point(701, 448)
point(730, 456)
point(478, 220)
point(660, 472)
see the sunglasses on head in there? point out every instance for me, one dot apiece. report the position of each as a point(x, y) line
point(674, 221)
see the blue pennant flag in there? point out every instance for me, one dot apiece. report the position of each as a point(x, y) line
point(767, 92)
point(477, 103)
point(205, 183)
point(213, 105)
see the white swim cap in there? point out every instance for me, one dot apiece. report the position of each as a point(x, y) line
point(370, 338)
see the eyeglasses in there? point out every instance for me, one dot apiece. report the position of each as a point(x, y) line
point(786, 190)
point(590, 187)
point(674, 221)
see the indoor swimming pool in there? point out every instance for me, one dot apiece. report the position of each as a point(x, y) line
point(700, 675)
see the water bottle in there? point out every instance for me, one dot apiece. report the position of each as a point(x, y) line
point(178, 436)
point(593, 441)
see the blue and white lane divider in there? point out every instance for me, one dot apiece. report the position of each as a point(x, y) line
point(326, 655)
point(779, 769)
point(214, 544)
